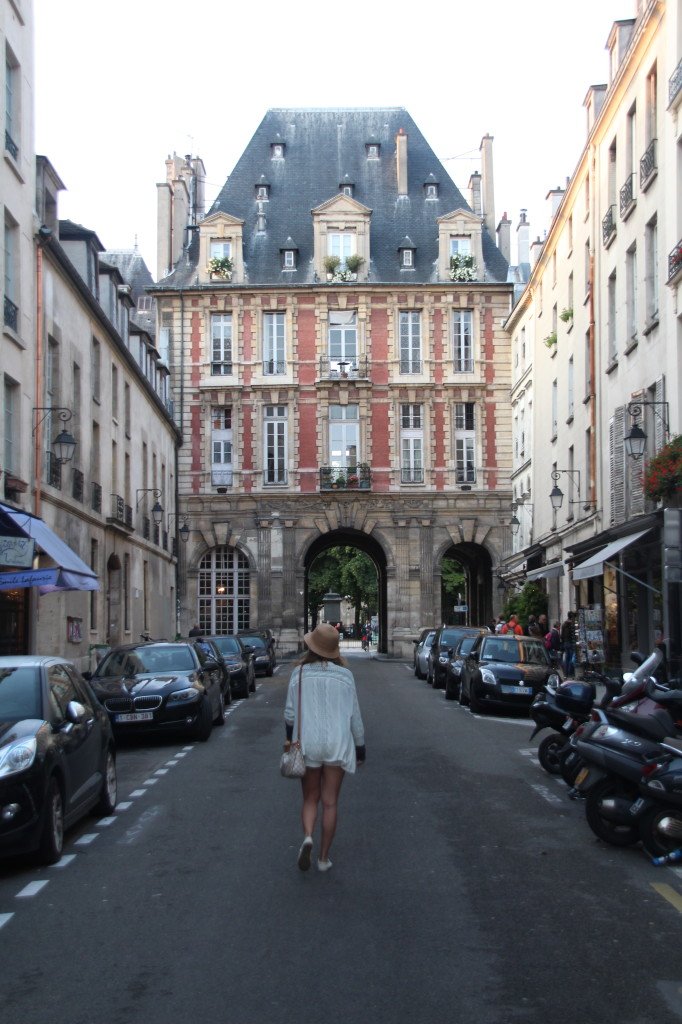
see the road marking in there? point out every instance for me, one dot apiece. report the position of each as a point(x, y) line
point(133, 834)
point(150, 782)
point(103, 822)
point(65, 861)
point(86, 839)
point(4, 918)
point(32, 889)
point(551, 798)
point(170, 763)
point(669, 894)
point(161, 771)
point(138, 792)
point(181, 753)
point(124, 805)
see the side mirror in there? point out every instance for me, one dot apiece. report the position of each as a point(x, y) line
point(210, 665)
point(75, 712)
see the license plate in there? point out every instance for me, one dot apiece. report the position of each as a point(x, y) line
point(581, 777)
point(136, 716)
point(525, 690)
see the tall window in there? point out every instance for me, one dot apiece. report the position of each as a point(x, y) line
point(221, 344)
point(341, 244)
point(570, 388)
point(12, 78)
point(224, 587)
point(650, 126)
point(114, 391)
point(344, 435)
point(343, 341)
point(587, 267)
point(460, 245)
point(410, 342)
point(221, 248)
point(221, 447)
point(465, 443)
point(11, 396)
point(96, 369)
point(462, 337)
point(275, 454)
point(126, 408)
point(94, 560)
point(555, 409)
point(274, 343)
point(412, 444)
point(651, 257)
point(631, 140)
point(126, 593)
point(11, 316)
point(631, 292)
point(612, 333)
point(570, 298)
point(588, 365)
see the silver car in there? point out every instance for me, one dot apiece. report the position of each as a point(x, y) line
point(421, 654)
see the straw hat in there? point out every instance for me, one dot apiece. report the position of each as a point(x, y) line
point(324, 640)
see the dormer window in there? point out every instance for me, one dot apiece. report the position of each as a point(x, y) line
point(460, 245)
point(289, 259)
point(432, 191)
point(406, 252)
point(262, 191)
point(372, 149)
point(221, 249)
point(277, 151)
point(289, 254)
point(407, 258)
point(144, 303)
point(347, 190)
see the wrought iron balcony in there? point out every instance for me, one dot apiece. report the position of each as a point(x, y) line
point(129, 516)
point(96, 497)
point(11, 146)
point(675, 262)
point(344, 369)
point(608, 226)
point(411, 475)
point(118, 508)
point(346, 478)
point(54, 470)
point(647, 165)
point(274, 368)
point(77, 485)
point(627, 196)
point(11, 314)
point(675, 83)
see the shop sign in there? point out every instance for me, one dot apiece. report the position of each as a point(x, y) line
point(16, 552)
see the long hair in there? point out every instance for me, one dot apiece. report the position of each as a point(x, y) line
point(310, 658)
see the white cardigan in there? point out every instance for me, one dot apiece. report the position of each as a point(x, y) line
point(330, 714)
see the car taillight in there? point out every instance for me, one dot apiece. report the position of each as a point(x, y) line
point(649, 769)
point(579, 730)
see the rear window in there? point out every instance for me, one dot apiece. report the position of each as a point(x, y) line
point(130, 662)
point(227, 645)
point(20, 694)
point(254, 641)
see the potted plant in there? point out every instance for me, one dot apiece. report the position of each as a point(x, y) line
point(462, 267)
point(326, 477)
point(340, 481)
point(353, 264)
point(550, 339)
point(363, 476)
point(353, 480)
point(566, 315)
point(220, 266)
point(331, 265)
point(663, 476)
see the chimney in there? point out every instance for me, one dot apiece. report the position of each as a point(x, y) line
point(504, 237)
point(401, 161)
point(523, 239)
point(536, 250)
point(555, 195)
point(488, 184)
point(475, 193)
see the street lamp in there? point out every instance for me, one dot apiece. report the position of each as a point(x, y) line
point(515, 522)
point(556, 496)
point(64, 444)
point(635, 441)
point(157, 508)
point(184, 530)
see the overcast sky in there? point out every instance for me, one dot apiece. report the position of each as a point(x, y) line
point(120, 86)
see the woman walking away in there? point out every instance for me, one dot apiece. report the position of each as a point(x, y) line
point(331, 733)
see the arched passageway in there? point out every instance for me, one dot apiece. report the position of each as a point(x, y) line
point(474, 606)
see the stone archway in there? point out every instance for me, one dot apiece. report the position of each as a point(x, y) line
point(476, 563)
point(348, 537)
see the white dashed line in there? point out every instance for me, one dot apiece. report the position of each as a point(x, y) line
point(170, 764)
point(123, 806)
point(188, 748)
point(104, 822)
point(85, 840)
point(181, 753)
point(65, 861)
point(4, 918)
point(138, 792)
point(551, 798)
point(32, 889)
point(150, 782)
point(161, 771)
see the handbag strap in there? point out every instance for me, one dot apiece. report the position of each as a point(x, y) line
point(298, 719)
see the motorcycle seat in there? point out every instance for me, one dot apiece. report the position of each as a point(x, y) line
point(655, 726)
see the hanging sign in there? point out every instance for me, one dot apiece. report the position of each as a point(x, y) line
point(16, 552)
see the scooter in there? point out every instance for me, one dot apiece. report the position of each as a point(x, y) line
point(659, 808)
point(560, 708)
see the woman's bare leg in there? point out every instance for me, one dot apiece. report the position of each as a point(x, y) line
point(311, 785)
point(332, 777)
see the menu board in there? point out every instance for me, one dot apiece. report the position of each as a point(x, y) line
point(591, 635)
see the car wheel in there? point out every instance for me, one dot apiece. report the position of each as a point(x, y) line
point(464, 701)
point(107, 800)
point(429, 680)
point(417, 671)
point(476, 705)
point(450, 690)
point(220, 716)
point(228, 695)
point(204, 723)
point(52, 838)
point(435, 681)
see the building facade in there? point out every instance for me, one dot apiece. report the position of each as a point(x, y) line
point(596, 342)
point(340, 372)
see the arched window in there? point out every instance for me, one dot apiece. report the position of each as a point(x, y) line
point(223, 592)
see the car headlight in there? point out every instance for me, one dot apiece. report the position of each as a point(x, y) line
point(17, 757)
point(443, 659)
point(553, 679)
point(184, 696)
point(488, 677)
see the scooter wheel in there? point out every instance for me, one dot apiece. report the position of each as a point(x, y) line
point(549, 751)
point(656, 842)
point(602, 824)
point(570, 763)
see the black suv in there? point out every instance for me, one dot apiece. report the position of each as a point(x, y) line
point(262, 644)
point(444, 643)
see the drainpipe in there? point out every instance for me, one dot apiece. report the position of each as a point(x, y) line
point(38, 394)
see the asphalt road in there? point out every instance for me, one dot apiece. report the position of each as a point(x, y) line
point(465, 888)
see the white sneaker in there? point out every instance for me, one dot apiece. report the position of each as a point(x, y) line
point(324, 865)
point(304, 853)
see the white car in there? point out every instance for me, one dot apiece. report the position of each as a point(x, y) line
point(421, 654)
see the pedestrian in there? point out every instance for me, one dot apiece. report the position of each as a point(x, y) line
point(568, 644)
point(533, 627)
point(553, 643)
point(543, 623)
point(501, 623)
point(512, 626)
point(196, 630)
point(331, 734)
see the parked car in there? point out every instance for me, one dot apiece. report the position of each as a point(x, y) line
point(453, 668)
point(505, 670)
point(207, 648)
point(421, 653)
point(160, 687)
point(239, 664)
point(444, 643)
point(263, 649)
point(57, 755)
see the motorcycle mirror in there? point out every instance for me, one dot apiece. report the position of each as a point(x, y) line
point(637, 657)
point(648, 667)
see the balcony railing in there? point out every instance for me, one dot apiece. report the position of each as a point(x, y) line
point(77, 485)
point(410, 366)
point(11, 146)
point(345, 478)
point(647, 165)
point(608, 226)
point(118, 508)
point(96, 497)
point(675, 262)
point(627, 196)
point(129, 516)
point(11, 314)
point(411, 475)
point(675, 83)
point(274, 368)
point(54, 470)
point(221, 478)
point(344, 369)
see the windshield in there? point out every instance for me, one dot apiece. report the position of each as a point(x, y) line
point(136, 660)
point(428, 642)
point(20, 694)
point(449, 637)
point(465, 644)
point(253, 641)
point(513, 650)
point(227, 645)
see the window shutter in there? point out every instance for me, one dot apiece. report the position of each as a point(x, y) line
point(659, 396)
point(617, 451)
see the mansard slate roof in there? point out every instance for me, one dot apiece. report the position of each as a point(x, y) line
point(322, 149)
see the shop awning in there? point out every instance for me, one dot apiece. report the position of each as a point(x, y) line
point(594, 565)
point(69, 571)
point(551, 571)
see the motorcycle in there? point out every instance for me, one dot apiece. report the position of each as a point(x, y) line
point(660, 805)
point(562, 709)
